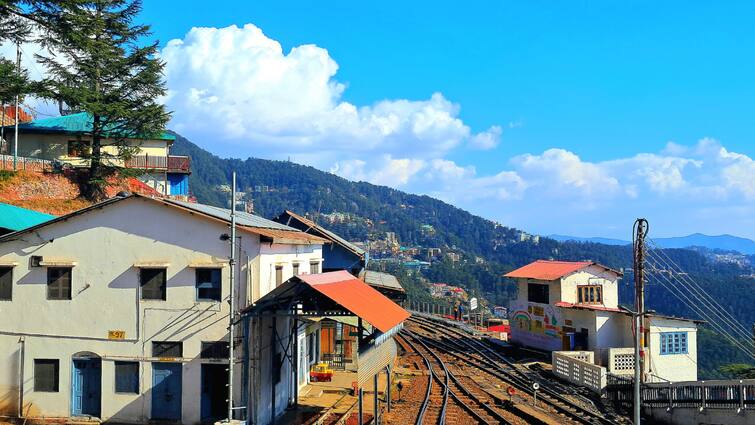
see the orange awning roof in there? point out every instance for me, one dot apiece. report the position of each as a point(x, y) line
point(552, 270)
point(359, 298)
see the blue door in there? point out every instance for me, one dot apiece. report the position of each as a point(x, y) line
point(179, 184)
point(86, 387)
point(166, 391)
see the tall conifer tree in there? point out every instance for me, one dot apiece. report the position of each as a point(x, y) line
point(99, 64)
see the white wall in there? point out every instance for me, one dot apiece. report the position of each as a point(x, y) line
point(671, 367)
point(592, 275)
point(106, 244)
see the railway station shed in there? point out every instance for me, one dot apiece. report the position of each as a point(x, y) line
point(278, 353)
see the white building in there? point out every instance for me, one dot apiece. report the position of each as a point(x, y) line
point(119, 311)
point(567, 306)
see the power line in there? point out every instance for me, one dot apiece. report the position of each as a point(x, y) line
point(729, 319)
point(681, 296)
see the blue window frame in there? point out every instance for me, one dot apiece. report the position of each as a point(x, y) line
point(673, 342)
point(208, 284)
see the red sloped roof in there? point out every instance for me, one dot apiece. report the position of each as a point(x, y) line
point(358, 297)
point(548, 270)
point(596, 307)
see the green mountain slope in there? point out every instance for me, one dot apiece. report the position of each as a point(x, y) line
point(279, 185)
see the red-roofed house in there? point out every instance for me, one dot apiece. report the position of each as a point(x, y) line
point(574, 305)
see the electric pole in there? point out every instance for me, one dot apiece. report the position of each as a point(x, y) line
point(15, 138)
point(231, 314)
point(640, 231)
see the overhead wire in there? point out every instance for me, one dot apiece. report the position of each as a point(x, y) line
point(693, 286)
point(685, 299)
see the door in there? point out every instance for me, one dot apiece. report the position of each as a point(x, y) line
point(86, 387)
point(214, 392)
point(166, 391)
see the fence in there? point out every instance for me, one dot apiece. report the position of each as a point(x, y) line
point(27, 164)
point(577, 367)
point(730, 394)
point(621, 361)
point(151, 162)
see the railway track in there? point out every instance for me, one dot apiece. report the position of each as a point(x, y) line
point(474, 404)
point(454, 342)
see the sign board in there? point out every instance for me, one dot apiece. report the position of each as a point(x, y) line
point(473, 304)
point(116, 334)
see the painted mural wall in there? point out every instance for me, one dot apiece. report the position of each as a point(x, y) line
point(536, 325)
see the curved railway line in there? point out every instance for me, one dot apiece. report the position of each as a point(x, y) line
point(440, 344)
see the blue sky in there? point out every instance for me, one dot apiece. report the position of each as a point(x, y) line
point(512, 91)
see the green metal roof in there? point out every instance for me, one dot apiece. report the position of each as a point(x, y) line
point(70, 124)
point(17, 218)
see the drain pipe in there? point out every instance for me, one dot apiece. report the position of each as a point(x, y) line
point(21, 355)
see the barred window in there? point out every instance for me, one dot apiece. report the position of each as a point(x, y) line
point(214, 350)
point(167, 349)
point(6, 283)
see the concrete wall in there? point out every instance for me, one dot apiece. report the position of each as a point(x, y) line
point(592, 275)
point(671, 367)
point(106, 244)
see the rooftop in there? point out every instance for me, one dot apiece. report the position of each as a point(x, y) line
point(552, 270)
point(311, 225)
point(16, 218)
point(384, 280)
point(79, 123)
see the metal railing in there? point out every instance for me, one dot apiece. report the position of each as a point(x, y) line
point(152, 162)
point(25, 163)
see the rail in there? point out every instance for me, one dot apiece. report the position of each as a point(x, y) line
point(153, 162)
point(25, 163)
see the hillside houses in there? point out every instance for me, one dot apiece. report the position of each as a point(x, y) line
point(67, 140)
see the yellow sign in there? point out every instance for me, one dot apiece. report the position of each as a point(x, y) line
point(116, 334)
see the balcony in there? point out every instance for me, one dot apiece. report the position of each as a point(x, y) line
point(171, 164)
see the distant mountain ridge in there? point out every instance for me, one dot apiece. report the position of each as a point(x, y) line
point(718, 242)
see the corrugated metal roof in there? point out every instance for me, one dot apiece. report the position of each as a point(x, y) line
point(381, 279)
point(327, 233)
point(17, 218)
point(552, 270)
point(242, 218)
point(71, 124)
point(359, 298)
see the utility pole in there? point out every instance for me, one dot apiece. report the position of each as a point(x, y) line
point(640, 231)
point(231, 314)
point(15, 138)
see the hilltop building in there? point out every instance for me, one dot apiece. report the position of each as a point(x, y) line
point(119, 311)
point(567, 306)
point(67, 139)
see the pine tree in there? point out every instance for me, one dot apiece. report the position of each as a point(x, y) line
point(99, 65)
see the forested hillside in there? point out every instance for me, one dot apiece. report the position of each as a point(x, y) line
point(305, 190)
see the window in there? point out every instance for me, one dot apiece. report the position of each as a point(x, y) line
point(152, 282)
point(79, 148)
point(214, 350)
point(673, 342)
point(167, 349)
point(537, 293)
point(59, 283)
point(6, 283)
point(46, 375)
point(590, 294)
point(208, 284)
point(296, 269)
point(314, 267)
point(127, 377)
point(278, 275)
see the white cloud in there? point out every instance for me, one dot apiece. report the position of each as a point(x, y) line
point(237, 87)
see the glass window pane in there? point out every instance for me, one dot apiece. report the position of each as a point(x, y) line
point(167, 349)
point(153, 284)
point(208, 284)
point(59, 283)
point(6, 283)
point(127, 377)
point(46, 375)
